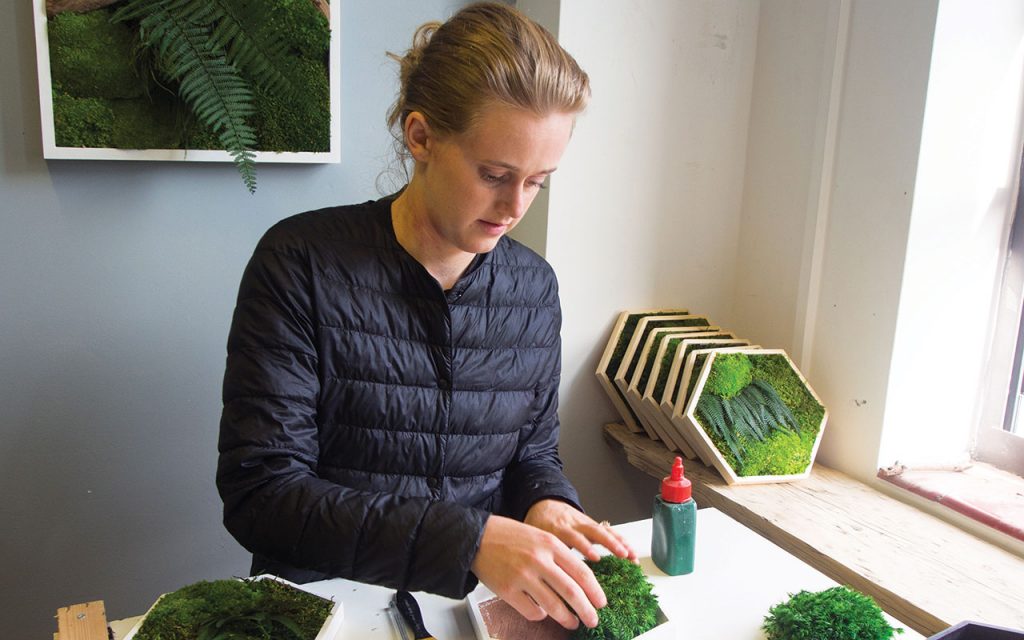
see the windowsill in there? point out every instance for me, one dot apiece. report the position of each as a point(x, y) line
point(924, 571)
point(979, 491)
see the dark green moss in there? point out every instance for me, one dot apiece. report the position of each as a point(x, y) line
point(81, 122)
point(252, 607)
point(91, 57)
point(632, 607)
point(783, 452)
point(94, 58)
point(302, 123)
point(666, 367)
point(144, 123)
point(304, 28)
point(650, 326)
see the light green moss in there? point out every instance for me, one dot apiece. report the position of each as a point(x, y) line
point(730, 373)
point(783, 452)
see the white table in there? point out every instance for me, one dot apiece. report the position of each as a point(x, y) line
point(712, 603)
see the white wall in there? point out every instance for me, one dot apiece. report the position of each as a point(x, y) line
point(645, 207)
point(756, 162)
point(868, 217)
point(962, 210)
point(787, 146)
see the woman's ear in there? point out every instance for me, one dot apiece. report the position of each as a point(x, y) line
point(417, 136)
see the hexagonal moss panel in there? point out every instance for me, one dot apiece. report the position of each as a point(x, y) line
point(748, 435)
point(619, 343)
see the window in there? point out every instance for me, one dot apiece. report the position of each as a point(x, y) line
point(1000, 436)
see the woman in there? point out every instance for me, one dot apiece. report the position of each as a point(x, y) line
point(392, 377)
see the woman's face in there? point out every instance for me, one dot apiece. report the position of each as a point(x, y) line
point(478, 184)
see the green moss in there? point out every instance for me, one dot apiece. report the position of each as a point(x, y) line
point(81, 122)
point(302, 123)
point(659, 324)
point(252, 608)
point(666, 367)
point(91, 57)
point(732, 372)
point(305, 29)
point(783, 452)
point(839, 613)
point(144, 123)
point(632, 606)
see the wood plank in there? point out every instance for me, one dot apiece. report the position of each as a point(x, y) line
point(86, 621)
point(920, 569)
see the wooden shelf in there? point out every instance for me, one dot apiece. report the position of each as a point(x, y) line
point(920, 569)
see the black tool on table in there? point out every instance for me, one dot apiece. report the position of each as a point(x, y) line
point(410, 611)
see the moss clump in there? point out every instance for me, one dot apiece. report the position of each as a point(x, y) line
point(147, 123)
point(839, 613)
point(81, 122)
point(300, 123)
point(246, 608)
point(91, 57)
point(730, 374)
point(632, 608)
point(783, 452)
point(305, 29)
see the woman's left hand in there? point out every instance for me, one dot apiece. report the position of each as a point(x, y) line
point(577, 530)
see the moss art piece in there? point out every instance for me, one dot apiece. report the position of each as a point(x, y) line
point(759, 414)
point(839, 613)
point(615, 350)
point(632, 608)
point(223, 609)
point(244, 76)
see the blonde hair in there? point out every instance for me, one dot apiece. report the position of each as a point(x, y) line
point(487, 52)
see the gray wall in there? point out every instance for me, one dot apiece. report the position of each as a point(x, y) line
point(117, 282)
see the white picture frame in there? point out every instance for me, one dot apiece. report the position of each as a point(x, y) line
point(51, 151)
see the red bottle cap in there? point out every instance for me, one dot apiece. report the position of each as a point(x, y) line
point(675, 488)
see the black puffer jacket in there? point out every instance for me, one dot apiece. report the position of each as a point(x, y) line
point(371, 420)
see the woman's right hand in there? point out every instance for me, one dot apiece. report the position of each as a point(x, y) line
point(537, 574)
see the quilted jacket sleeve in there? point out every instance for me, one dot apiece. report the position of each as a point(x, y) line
point(274, 502)
point(536, 472)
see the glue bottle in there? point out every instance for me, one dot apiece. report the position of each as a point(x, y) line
point(674, 526)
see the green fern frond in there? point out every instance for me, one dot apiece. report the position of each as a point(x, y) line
point(712, 411)
point(774, 404)
point(241, 30)
point(752, 414)
point(180, 33)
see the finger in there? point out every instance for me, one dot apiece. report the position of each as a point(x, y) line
point(566, 602)
point(576, 539)
point(583, 578)
point(525, 605)
point(614, 542)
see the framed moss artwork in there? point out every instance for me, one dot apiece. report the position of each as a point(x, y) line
point(242, 81)
point(754, 416)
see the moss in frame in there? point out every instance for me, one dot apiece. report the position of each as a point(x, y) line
point(256, 608)
point(277, 99)
point(783, 454)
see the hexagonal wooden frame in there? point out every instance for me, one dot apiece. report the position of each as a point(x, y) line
point(706, 447)
point(610, 362)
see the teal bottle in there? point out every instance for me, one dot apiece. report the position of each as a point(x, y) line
point(674, 524)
